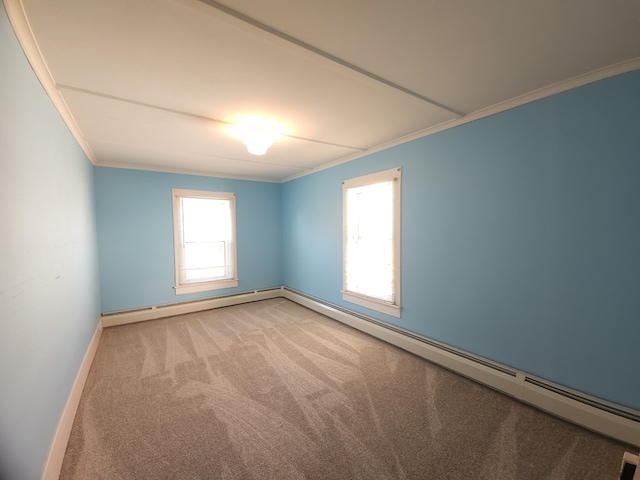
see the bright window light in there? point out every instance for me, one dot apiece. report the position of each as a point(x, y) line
point(372, 241)
point(204, 239)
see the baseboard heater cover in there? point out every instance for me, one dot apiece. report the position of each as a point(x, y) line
point(605, 418)
point(113, 319)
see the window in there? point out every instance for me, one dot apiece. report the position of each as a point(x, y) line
point(371, 241)
point(204, 236)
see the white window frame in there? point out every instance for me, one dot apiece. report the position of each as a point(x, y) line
point(390, 308)
point(182, 287)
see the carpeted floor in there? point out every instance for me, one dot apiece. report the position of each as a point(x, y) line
point(272, 390)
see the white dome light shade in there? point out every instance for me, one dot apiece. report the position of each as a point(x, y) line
point(257, 141)
point(257, 133)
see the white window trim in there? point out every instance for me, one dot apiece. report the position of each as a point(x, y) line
point(372, 303)
point(179, 288)
point(393, 309)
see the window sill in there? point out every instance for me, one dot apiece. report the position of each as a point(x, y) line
point(379, 306)
point(205, 286)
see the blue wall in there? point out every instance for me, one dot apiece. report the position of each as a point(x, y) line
point(520, 243)
point(49, 307)
point(135, 232)
point(520, 237)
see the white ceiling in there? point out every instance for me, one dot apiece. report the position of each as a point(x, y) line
point(154, 84)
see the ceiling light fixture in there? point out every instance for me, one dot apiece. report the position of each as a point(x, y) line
point(257, 133)
point(257, 140)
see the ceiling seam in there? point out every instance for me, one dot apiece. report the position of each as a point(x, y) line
point(219, 157)
point(193, 115)
point(295, 41)
point(183, 171)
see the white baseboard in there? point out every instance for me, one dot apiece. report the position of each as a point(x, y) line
point(504, 379)
point(58, 447)
point(161, 311)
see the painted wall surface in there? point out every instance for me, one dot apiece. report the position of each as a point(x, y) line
point(49, 306)
point(520, 237)
point(135, 235)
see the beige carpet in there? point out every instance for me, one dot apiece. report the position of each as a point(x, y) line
point(272, 390)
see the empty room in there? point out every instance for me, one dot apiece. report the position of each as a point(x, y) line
point(319, 240)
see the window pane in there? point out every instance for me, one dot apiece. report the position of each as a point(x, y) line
point(205, 261)
point(206, 240)
point(205, 219)
point(369, 247)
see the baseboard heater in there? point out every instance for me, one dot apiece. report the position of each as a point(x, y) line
point(112, 319)
point(603, 417)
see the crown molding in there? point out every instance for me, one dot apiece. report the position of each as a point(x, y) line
point(558, 87)
point(184, 171)
point(24, 33)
